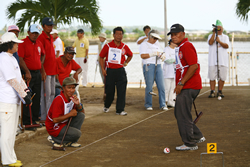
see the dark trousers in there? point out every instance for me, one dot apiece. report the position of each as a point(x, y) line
point(189, 132)
point(116, 78)
point(35, 85)
point(74, 131)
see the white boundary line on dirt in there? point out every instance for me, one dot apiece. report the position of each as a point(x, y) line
point(113, 133)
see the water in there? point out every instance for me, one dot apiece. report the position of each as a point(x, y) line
point(134, 68)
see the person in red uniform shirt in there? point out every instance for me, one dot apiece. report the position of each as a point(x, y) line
point(65, 64)
point(31, 52)
point(63, 107)
point(115, 73)
point(188, 85)
point(50, 67)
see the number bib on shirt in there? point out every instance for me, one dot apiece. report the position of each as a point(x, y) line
point(115, 55)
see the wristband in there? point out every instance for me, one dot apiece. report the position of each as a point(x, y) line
point(81, 108)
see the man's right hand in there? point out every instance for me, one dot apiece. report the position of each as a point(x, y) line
point(27, 77)
point(104, 72)
point(73, 113)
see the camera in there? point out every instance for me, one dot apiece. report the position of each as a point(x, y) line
point(216, 29)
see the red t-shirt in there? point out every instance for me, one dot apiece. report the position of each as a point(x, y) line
point(56, 109)
point(63, 71)
point(125, 51)
point(31, 53)
point(188, 56)
point(50, 57)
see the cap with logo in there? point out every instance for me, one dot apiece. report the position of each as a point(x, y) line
point(47, 21)
point(69, 81)
point(176, 28)
point(13, 27)
point(34, 28)
point(54, 31)
point(103, 35)
point(70, 49)
point(10, 37)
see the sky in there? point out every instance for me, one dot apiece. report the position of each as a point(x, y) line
point(192, 14)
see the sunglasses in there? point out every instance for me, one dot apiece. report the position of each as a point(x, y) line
point(155, 38)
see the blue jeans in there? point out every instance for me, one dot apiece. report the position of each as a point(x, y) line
point(148, 71)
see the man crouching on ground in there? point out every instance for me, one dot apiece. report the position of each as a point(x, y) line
point(63, 107)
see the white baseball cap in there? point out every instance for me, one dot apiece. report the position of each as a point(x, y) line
point(54, 31)
point(10, 36)
point(155, 35)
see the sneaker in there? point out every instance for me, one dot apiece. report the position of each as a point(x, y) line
point(123, 113)
point(71, 144)
point(105, 109)
point(164, 108)
point(184, 148)
point(212, 94)
point(201, 140)
point(220, 94)
point(149, 108)
point(57, 145)
point(17, 164)
point(49, 138)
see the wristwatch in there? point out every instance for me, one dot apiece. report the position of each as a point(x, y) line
point(181, 84)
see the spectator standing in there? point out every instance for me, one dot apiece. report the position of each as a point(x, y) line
point(146, 30)
point(103, 41)
point(188, 85)
point(15, 30)
point(151, 54)
point(82, 50)
point(12, 89)
point(49, 65)
point(31, 52)
point(115, 73)
point(58, 44)
point(222, 41)
point(169, 73)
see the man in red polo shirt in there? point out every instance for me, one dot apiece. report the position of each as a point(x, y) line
point(65, 64)
point(115, 73)
point(188, 85)
point(50, 67)
point(30, 53)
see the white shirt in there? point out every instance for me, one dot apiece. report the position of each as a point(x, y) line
point(168, 69)
point(222, 52)
point(147, 48)
point(58, 46)
point(9, 69)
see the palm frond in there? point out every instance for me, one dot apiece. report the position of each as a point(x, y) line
point(242, 9)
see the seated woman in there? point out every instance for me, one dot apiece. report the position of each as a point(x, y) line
point(151, 54)
point(63, 107)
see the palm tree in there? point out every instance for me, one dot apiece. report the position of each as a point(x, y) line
point(242, 9)
point(61, 11)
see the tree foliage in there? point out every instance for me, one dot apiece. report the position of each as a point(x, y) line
point(61, 11)
point(242, 9)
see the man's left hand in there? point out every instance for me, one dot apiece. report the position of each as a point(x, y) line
point(75, 100)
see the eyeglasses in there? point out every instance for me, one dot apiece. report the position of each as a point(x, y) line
point(155, 38)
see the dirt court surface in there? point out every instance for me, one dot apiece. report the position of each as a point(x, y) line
point(138, 139)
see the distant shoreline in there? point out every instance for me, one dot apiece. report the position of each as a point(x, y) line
point(192, 39)
point(196, 39)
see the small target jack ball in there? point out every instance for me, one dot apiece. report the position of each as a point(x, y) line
point(166, 150)
point(219, 98)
